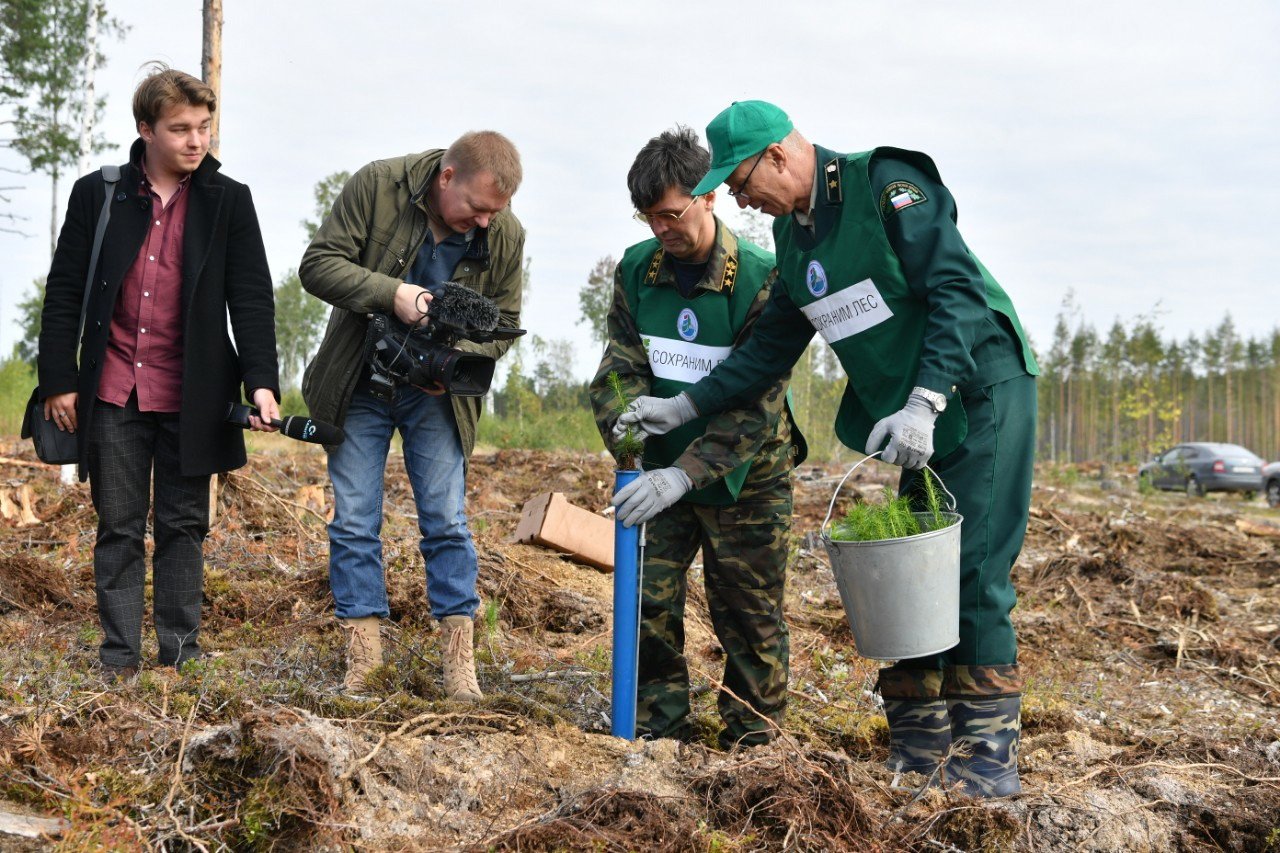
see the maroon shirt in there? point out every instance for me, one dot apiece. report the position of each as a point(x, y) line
point(144, 348)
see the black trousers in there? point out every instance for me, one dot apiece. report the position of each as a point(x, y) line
point(125, 448)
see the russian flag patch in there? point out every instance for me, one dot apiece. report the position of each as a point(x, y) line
point(900, 195)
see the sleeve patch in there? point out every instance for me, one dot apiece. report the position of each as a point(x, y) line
point(900, 195)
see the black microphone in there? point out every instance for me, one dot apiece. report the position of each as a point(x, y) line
point(293, 426)
point(462, 308)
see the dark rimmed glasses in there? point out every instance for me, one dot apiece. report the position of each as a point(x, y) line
point(741, 191)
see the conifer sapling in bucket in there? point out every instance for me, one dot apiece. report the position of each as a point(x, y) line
point(898, 571)
point(897, 517)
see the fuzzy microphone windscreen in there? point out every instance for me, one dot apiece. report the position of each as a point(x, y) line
point(458, 306)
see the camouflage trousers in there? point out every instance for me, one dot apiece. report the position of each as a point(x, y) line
point(744, 557)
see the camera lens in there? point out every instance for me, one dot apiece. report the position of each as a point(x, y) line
point(465, 374)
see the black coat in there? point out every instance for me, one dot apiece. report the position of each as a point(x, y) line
point(224, 272)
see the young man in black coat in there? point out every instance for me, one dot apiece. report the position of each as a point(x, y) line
point(156, 368)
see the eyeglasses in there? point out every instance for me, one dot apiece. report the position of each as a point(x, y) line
point(741, 190)
point(650, 218)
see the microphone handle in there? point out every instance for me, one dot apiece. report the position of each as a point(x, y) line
point(296, 427)
point(275, 422)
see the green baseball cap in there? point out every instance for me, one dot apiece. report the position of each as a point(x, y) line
point(742, 129)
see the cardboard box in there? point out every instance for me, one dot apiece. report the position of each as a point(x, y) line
point(549, 519)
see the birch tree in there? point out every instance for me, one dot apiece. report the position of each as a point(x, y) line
point(596, 297)
point(211, 66)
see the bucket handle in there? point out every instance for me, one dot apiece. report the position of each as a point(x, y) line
point(831, 506)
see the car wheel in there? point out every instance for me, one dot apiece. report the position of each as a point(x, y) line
point(1194, 489)
point(1273, 493)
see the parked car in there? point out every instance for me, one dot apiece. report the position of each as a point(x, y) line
point(1197, 467)
point(1271, 483)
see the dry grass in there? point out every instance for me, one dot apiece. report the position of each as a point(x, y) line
point(1149, 634)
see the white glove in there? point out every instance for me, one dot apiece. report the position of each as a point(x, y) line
point(649, 494)
point(910, 432)
point(655, 415)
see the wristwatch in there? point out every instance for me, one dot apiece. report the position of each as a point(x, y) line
point(936, 401)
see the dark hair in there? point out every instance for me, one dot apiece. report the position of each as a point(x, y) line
point(163, 88)
point(674, 158)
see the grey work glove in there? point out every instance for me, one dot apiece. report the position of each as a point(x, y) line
point(910, 433)
point(655, 415)
point(649, 494)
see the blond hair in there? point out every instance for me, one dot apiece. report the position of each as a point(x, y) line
point(486, 151)
point(163, 88)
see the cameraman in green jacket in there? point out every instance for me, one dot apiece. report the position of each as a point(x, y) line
point(399, 227)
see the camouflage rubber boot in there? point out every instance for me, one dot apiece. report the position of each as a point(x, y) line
point(364, 650)
point(460, 682)
point(919, 730)
point(985, 732)
point(919, 734)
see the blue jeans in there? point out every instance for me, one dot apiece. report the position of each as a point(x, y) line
point(433, 459)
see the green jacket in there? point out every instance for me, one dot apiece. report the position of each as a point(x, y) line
point(890, 283)
point(360, 256)
point(761, 432)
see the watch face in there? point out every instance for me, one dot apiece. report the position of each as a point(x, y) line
point(936, 401)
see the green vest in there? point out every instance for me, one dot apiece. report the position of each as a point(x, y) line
point(851, 287)
point(686, 338)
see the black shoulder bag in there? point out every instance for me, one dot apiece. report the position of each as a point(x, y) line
point(55, 446)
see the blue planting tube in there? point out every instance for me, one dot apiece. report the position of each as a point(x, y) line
point(626, 619)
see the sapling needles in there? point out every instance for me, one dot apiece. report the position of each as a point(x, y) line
point(895, 518)
point(630, 447)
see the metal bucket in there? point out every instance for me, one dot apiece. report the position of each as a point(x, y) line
point(901, 596)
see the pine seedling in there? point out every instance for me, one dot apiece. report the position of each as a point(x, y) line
point(895, 518)
point(865, 522)
point(630, 448)
point(933, 501)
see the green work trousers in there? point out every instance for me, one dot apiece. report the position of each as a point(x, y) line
point(990, 475)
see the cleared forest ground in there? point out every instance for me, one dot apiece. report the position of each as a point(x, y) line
point(1150, 634)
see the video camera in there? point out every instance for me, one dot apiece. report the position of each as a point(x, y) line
point(426, 355)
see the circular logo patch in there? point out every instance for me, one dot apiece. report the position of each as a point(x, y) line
point(816, 279)
point(687, 324)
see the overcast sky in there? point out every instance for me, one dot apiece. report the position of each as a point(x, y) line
point(1129, 151)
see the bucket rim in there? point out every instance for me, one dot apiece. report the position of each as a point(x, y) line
point(915, 537)
point(836, 494)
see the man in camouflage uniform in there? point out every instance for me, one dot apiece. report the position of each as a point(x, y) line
point(682, 301)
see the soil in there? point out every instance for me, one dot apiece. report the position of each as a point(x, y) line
point(1149, 628)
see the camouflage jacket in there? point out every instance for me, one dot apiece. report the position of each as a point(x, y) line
point(763, 430)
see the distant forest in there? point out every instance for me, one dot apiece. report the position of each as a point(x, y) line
point(1130, 393)
point(1118, 397)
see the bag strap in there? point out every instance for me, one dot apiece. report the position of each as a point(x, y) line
point(111, 176)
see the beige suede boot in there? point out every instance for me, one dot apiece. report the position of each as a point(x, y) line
point(364, 650)
point(459, 659)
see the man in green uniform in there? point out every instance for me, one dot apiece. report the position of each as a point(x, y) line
point(936, 362)
point(682, 301)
